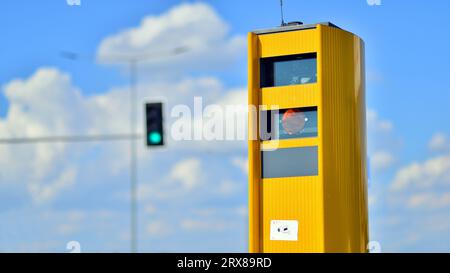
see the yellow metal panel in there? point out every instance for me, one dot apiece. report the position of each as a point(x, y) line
point(254, 160)
point(288, 43)
point(344, 144)
point(289, 143)
point(298, 199)
point(331, 208)
point(290, 96)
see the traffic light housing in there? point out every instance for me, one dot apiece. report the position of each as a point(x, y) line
point(154, 124)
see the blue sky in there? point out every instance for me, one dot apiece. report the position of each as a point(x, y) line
point(193, 195)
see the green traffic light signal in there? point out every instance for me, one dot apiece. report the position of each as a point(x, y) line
point(154, 124)
point(154, 138)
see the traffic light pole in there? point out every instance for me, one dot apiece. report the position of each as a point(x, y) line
point(133, 158)
point(132, 61)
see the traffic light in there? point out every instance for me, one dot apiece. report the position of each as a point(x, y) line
point(154, 124)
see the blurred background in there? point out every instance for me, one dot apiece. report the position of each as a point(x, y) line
point(65, 71)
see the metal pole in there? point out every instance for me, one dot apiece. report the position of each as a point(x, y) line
point(68, 139)
point(133, 158)
point(282, 14)
point(133, 62)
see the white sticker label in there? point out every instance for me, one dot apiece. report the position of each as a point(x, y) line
point(283, 230)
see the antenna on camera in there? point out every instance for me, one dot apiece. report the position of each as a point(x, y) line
point(282, 14)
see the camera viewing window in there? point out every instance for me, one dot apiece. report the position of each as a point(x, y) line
point(289, 70)
point(292, 162)
point(289, 124)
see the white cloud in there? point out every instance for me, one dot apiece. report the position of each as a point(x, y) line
point(67, 229)
point(205, 212)
point(439, 142)
point(228, 107)
point(429, 200)
point(196, 26)
point(158, 228)
point(76, 215)
point(32, 112)
point(382, 160)
point(69, 222)
point(374, 122)
point(44, 192)
point(433, 172)
point(228, 187)
point(418, 196)
point(242, 211)
point(241, 163)
point(188, 173)
point(383, 144)
point(62, 110)
point(48, 103)
point(372, 200)
point(205, 225)
point(150, 209)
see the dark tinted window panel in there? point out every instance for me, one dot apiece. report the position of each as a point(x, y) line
point(289, 70)
point(292, 162)
point(289, 123)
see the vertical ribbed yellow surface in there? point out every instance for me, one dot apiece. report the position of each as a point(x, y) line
point(344, 141)
point(287, 43)
point(331, 208)
point(294, 199)
point(254, 192)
